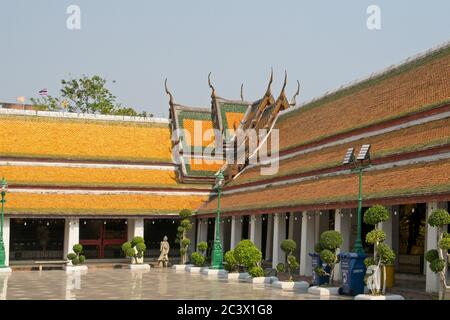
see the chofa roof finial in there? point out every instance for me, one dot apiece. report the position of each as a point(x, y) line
point(213, 93)
point(242, 92)
point(268, 93)
point(285, 82)
point(171, 101)
point(293, 102)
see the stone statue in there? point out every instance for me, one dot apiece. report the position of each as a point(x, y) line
point(164, 256)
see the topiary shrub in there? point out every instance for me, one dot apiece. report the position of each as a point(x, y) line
point(431, 255)
point(247, 254)
point(439, 218)
point(385, 254)
point(230, 262)
point(281, 267)
point(202, 247)
point(444, 243)
point(288, 246)
point(135, 249)
point(76, 257)
point(437, 265)
point(198, 259)
point(329, 242)
point(437, 258)
point(182, 230)
point(376, 214)
point(256, 271)
point(382, 254)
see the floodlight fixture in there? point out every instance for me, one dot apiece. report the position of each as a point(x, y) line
point(364, 152)
point(349, 157)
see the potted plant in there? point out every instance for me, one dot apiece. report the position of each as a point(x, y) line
point(329, 242)
point(135, 250)
point(289, 246)
point(383, 255)
point(198, 258)
point(76, 259)
point(438, 258)
point(232, 266)
point(249, 257)
point(182, 230)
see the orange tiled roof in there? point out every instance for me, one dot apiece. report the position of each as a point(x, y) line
point(405, 140)
point(424, 178)
point(416, 85)
point(89, 204)
point(63, 138)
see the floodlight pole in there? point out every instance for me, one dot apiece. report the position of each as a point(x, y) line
point(358, 248)
point(2, 245)
point(217, 251)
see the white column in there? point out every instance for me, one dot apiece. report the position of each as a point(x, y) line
point(307, 243)
point(236, 231)
point(6, 239)
point(396, 233)
point(386, 226)
point(202, 230)
point(432, 279)
point(342, 225)
point(255, 230)
point(71, 234)
point(291, 226)
point(279, 234)
point(135, 228)
point(269, 239)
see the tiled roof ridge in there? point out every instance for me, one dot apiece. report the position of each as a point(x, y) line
point(373, 76)
point(73, 115)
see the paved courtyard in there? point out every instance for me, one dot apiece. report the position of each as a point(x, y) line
point(122, 284)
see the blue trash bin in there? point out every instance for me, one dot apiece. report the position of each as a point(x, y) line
point(317, 262)
point(353, 271)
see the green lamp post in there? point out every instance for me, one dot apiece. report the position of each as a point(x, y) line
point(361, 162)
point(4, 187)
point(217, 251)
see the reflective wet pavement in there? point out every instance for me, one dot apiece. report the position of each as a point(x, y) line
point(123, 284)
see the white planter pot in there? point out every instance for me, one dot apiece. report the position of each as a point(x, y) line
point(298, 286)
point(236, 276)
point(139, 266)
point(262, 280)
point(193, 269)
point(324, 291)
point(181, 267)
point(386, 297)
point(213, 272)
point(73, 268)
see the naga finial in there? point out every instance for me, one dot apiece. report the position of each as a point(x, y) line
point(242, 92)
point(293, 102)
point(171, 101)
point(270, 83)
point(213, 93)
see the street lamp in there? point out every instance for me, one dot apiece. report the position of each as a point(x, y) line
point(4, 187)
point(217, 252)
point(361, 162)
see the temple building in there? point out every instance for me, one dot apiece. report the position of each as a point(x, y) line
point(100, 180)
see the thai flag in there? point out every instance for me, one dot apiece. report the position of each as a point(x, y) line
point(43, 92)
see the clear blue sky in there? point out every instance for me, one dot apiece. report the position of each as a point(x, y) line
point(138, 43)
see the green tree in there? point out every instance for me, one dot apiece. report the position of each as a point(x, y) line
point(382, 254)
point(182, 230)
point(438, 258)
point(85, 95)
